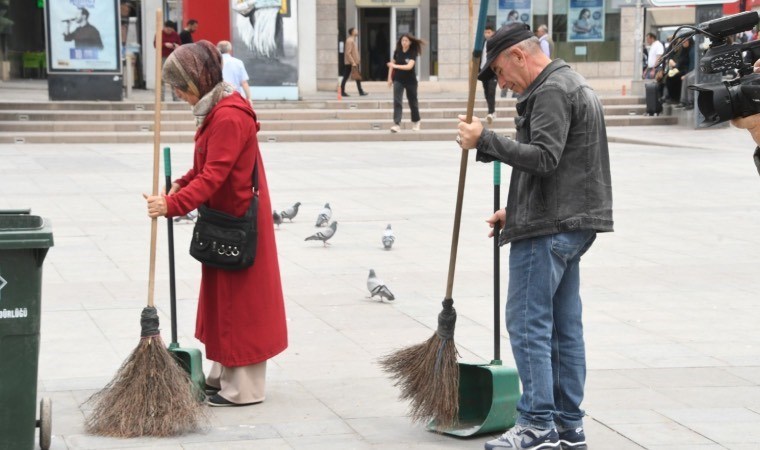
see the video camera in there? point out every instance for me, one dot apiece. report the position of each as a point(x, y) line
point(740, 97)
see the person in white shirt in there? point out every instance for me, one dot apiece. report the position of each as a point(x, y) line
point(547, 46)
point(233, 70)
point(655, 52)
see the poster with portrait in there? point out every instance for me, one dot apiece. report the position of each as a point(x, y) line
point(265, 38)
point(509, 11)
point(82, 36)
point(585, 21)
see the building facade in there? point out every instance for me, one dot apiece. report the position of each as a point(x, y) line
point(597, 37)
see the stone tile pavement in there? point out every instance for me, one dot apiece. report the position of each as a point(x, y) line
point(670, 297)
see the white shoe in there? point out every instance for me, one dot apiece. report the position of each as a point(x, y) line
point(416, 126)
point(523, 438)
point(489, 119)
point(395, 129)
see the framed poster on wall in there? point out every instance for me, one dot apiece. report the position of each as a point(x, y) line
point(509, 11)
point(585, 21)
point(265, 38)
point(82, 36)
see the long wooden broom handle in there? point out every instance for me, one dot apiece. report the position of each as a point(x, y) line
point(474, 69)
point(156, 155)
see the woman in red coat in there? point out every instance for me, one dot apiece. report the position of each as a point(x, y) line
point(241, 314)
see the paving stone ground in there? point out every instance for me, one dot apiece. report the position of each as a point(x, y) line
point(670, 298)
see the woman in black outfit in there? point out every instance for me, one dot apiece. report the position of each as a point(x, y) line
point(401, 75)
point(678, 68)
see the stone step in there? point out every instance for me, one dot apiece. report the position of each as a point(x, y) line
point(269, 115)
point(346, 103)
point(384, 123)
point(265, 135)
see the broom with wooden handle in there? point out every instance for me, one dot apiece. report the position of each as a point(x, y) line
point(428, 373)
point(150, 395)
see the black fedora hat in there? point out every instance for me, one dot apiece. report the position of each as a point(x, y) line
point(507, 36)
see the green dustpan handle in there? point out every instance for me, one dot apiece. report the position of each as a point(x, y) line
point(167, 162)
point(170, 231)
point(496, 265)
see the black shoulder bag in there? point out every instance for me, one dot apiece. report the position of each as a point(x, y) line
point(224, 241)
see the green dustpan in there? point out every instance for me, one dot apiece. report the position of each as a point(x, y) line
point(189, 358)
point(488, 393)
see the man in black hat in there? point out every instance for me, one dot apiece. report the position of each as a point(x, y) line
point(560, 196)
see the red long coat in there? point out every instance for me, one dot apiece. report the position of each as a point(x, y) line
point(241, 314)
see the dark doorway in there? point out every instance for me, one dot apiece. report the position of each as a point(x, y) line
point(374, 37)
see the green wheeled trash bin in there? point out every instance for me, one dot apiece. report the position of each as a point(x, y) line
point(24, 242)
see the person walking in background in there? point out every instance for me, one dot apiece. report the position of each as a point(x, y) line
point(186, 35)
point(547, 45)
point(169, 42)
point(653, 56)
point(233, 70)
point(402, 77)
point(351, 59)
point(489, 86)
point(560, 197)
point(241, 313)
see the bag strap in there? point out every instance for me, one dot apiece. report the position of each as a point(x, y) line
point(255, 177)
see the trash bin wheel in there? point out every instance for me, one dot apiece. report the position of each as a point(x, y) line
point(46, 422)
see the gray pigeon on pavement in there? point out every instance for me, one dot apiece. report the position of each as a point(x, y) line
point(324, 216)
point(324, 235)
point(377, 287)
point(290, 213)
point(277, 218)
point(388, 237)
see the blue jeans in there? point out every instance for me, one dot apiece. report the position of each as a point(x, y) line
point(543, 317)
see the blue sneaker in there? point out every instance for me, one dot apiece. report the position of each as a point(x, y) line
point(573, 439)
point(524, 438)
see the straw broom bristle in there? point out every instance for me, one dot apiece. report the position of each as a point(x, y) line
point(150, 395)
point(428, 376)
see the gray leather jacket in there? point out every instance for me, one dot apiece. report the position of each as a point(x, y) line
point(561, 166)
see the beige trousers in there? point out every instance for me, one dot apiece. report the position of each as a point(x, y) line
point(244, 384)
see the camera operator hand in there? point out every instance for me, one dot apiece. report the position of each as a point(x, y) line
point(750, 123)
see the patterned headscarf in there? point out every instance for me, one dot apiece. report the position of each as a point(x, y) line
point(194, 68)
point(197, 69)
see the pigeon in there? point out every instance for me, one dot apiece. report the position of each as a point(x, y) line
point(377, 287)
point(388, 238)
point(190, 217)
point(324, 235)
point(291, 212)
point(324, 216)
point(277, 218)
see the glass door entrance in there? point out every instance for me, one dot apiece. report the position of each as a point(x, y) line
point(379, 29)
point(404, 21)
point(374, 38)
